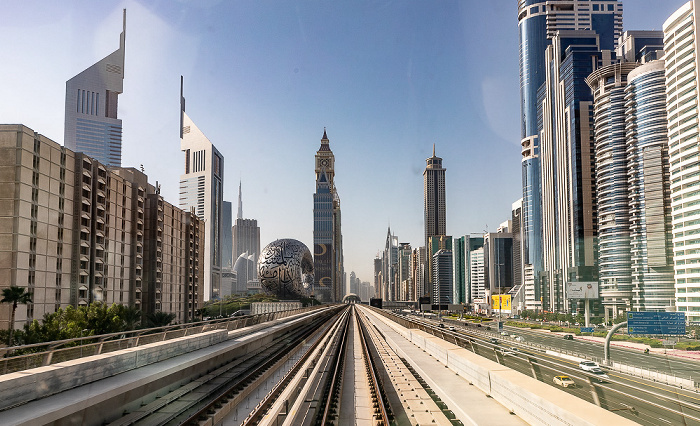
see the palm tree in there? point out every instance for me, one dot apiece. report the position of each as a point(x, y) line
point(15, 295)
point(160, 319)
point(131, 316)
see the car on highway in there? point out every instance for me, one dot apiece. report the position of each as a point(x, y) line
point(493, 340)
point(564, 381)
point(600, 374)
point(506, 352)
point(518, 338)
point(588, 365)
point(504, 333)
point(568, 337)
point(441, 325)
point(452, 328)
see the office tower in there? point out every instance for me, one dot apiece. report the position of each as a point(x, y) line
point(518, 290)
point(228, 281)
point(568, 187)
point(477, 278)
point(202, 188)
point(377, 276)
point(434, 202)
point(615, 140)
point(227, 235)
point(80, 232)
point(328, 238)
point(462, 250)
point(649, 188)
point(460, 269)
point(682, 91)
point(538, 23)
point(442, 278)
point(246, 243)
point(498, 260)
point(91, 123)
point(435, 244)
point(390, 259)
point(403, 271)
point(418, 273)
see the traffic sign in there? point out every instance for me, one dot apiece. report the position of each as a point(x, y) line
point(670, 323)
point(586, 329)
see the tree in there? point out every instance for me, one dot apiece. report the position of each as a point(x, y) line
point(131, 316)
point(15, 296)
point(160, 319)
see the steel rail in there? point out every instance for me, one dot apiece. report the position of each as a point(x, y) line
point(337, 373)
point(255, 416)
point(372, 370)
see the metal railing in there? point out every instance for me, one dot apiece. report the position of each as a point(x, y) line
point(24, 357)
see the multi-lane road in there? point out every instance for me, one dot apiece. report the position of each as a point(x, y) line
point(643, 401)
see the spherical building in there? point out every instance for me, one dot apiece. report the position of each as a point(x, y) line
point(286, 268)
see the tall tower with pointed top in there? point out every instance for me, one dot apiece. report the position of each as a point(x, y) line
point(201, 189)
point(246, 247)
point(328, 239)
point(91, 123)
point(434, 200)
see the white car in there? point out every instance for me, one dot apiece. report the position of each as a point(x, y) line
point(588, 365)
point(518, 338)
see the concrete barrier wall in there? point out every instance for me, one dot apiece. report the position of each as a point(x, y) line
point(20, 387)
point(535, 402)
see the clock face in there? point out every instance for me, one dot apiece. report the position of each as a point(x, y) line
point(324, 162)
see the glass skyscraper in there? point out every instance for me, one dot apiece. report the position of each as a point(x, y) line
point(91, 123)
point(201, 189)
point(649, 187)
point(682, 91)
point(538, 22)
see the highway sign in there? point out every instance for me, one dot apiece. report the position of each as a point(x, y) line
point(586, 329)
point(671, 323)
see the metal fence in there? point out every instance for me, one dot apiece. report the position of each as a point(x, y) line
point(19, 358)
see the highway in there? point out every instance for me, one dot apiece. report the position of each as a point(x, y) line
point(643, 401)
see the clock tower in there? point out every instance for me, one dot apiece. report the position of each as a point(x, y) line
point(328, 240)
point(325, 161)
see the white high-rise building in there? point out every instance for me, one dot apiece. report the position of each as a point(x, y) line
point(202, 188)
point(91, 125)
point(682, 90)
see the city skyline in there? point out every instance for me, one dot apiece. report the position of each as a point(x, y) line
point(387, 81)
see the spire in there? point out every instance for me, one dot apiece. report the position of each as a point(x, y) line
point(182, 105)
point(324, 142)
point(240, 202)
point(433, 150)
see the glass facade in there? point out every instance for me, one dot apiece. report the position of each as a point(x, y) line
point(538, 22)
point(649, 188)
point(680, 32)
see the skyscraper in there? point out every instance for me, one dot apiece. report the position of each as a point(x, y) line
point(442, 278)
point(616, 149)
point(682, 89)
point(569, 220)
point(201, 188)
point(246, 243)
point(649, 188)
point(91, 123)
point(434, 202)
point(538, 22)
point(328, 243)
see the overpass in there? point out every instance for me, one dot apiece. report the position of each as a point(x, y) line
point(279, 365)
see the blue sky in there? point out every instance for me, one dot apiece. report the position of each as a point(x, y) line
point(388, 79)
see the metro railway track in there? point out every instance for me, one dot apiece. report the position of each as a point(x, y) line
point(199, 397)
